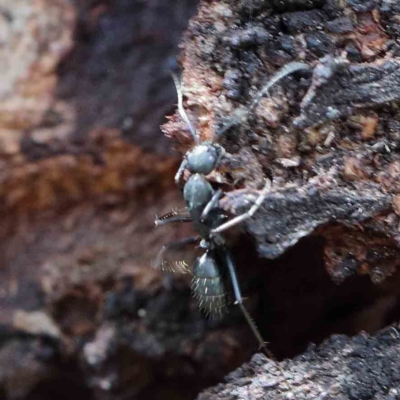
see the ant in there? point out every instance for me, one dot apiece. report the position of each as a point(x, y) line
point(210, 272)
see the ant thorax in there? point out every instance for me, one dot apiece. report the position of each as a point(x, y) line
point(197, 193)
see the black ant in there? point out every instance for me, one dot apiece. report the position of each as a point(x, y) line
point(210, 270)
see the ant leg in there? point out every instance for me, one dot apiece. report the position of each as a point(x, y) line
point(253, 326)
point(178, 175)
point(211, 204)
point(173, 246)
point(248, 214)
point(173, 216)
point(239, 301)
point(168, 220)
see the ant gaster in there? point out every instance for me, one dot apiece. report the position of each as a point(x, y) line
point(212, 269)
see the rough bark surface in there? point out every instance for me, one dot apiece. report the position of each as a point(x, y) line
point(362, 367)
point(328, 140)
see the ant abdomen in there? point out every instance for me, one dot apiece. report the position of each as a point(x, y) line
point(208, 285)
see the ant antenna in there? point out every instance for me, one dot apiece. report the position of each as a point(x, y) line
point(242, 116)
point(181, 110)
point(288, 69)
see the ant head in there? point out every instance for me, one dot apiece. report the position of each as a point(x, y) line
point(203, 158)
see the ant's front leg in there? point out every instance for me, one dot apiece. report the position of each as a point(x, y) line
point(211, 204)
point(248, 214)
point(179, 173)
point(173, 216)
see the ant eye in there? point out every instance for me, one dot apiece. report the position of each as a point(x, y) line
point(203, 159)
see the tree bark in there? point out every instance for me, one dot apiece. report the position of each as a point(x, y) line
point(362, 367)
point(329, 142)
point(85, 169)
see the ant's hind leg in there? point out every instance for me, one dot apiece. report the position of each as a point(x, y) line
point(248, 214)
point(239, 300)
point(159, 262)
